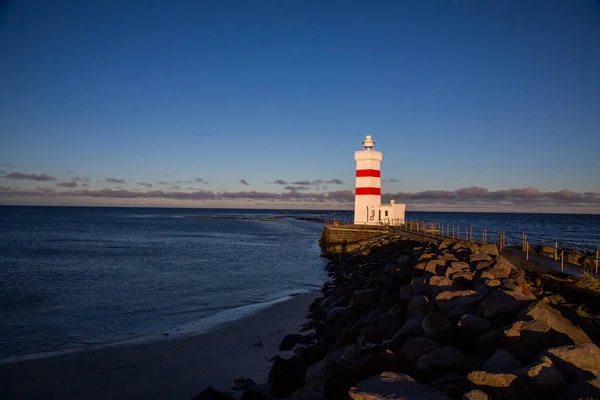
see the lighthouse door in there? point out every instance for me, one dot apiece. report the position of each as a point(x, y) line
point(379, 215)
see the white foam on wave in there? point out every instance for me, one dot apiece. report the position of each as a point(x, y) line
point(194, 328)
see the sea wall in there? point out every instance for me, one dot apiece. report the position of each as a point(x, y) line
point(337, 240)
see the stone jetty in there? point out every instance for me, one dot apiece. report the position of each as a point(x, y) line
point(407, 319)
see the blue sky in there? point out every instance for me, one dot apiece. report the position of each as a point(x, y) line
point(499, 95)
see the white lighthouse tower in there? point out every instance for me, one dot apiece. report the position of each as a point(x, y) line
point(368, 209)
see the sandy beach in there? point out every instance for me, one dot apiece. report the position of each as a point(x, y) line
point(168, 369)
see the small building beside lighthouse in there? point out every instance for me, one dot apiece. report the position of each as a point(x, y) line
point(368, 209)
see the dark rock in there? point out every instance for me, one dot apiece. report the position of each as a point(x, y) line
point(389, 385)
point(335, 313)
point(403, 260)
point(372, 365)
point(476, 395)
point(579, 362)
point(384, 327)
point(417, 285)
point(504, 309)
point(451, 383)
point(442, 359)
point(544, 379)
point(435, 324)
point(492, 283)
point(257, 392)
point(212, 394)
point(583, 390)
point(554, 299)
point(457, 267)
point(439, 284)
point(447, 257)
point(474, 324)
point(416, 347)
point(406, 292)
point(499, 386)
point(418, 306)
point(448, 300)
point(289, 341)
point(436, 267)
point(501, 269)
point(411, 328)
point(286, 375)
point(477, 257)
point(501, 362)
point(243, 383)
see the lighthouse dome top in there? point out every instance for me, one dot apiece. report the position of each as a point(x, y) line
point(368, 143)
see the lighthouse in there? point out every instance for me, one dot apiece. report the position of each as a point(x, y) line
point(368, 209)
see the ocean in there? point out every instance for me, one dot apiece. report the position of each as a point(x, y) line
point(77, 277)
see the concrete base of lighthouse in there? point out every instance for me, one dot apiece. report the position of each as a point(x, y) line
point(382, 214)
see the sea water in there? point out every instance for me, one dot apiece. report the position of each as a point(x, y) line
point(75, 277)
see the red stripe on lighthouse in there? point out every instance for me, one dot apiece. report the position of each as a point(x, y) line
point(375, 173)
point(368, 190)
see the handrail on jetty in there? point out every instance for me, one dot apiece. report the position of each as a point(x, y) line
point(586, 257)
point(583, 256)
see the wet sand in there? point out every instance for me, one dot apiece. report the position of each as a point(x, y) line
point(169, 369)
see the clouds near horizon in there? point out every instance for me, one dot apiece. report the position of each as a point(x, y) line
point(34, 177)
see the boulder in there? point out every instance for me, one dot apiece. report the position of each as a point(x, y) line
point(211, 393)
point(417, 285)
point(457, 267)
point(544, 378)
point(286, 375)
point(451, 383)
point(436, 267)
point(492, 283)
point(410, 329)
point(504, 309)
point(442, 359)
point(501, 269)
point(416, 347)
point(447, 257)
point(403, 260)
point(257, 392)
point(475, 258)
point(448, 300)
point(289, 341)
point(578, 362)
point(243, 383)
point(335, 313)
point(573, 258)
point(384, 327)
point(418, 306)
point(474, 324)
point(500, 362)
point(588, 390)
point(435, 324)
point(548, 251)
point(390, 385)
point(490, 249)
point(554, 299)
point(499, 386)
point(405, 292)
point(539, 327)
point(438, 284)
point(476, 395)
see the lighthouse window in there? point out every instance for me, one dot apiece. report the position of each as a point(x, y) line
point(386, 213)
point(372, 213)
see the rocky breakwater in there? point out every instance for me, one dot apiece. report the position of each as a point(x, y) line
point(401, 319)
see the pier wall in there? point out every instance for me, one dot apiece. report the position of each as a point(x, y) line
point(347, 238)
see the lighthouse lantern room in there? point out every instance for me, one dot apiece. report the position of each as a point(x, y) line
point(368, 209)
